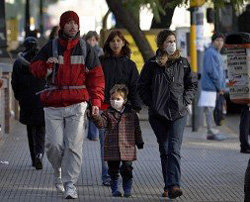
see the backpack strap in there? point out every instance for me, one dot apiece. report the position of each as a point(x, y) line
point(55, 47)
point(54, 54)
point(83, 46)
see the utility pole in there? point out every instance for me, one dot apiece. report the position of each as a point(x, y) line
point(3, 36)
point(196, 53)
point(27, 18)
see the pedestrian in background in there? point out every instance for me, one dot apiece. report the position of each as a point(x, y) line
point(212, 82)
point(54, 32)
point(118, 69)
point(77, 78)
point(92, 39)
point(122, 134)
point(167, 86)
point(245, 130)
point(25, 86)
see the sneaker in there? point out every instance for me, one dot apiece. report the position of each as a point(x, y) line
point(38, 161)
point(213, 131)
point(106, 182)
point(59, 185)
point(70, 192)
point(127, 195)
point(117, 194)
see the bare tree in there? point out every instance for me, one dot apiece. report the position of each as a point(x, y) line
point(128, 21)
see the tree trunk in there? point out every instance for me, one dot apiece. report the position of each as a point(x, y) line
point(165, 20)
point(27, 18)
point(126, 18)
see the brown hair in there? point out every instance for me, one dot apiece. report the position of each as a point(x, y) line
point(162, 36)
point(119, 88)
point(125, 49)
point(91, 34)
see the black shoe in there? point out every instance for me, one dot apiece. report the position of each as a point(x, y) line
point(117, 194)
point(38, 162)
point(245, 151)
point(127, 195)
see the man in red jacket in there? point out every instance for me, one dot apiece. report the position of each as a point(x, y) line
point(74, 76)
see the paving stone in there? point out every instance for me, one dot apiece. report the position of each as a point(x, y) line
point(211, 171)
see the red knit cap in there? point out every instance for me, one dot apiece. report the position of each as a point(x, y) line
point(67, 16)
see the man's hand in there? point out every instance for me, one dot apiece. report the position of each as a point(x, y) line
point(95, 111)
point(52, 60)
point(221, 92)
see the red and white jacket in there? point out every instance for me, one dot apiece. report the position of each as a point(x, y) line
point(72, 71)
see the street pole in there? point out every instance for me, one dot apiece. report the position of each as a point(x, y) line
point(27, 18)
point(41, 18)
point(196, 46)
point(3, 36)
point(193, 57)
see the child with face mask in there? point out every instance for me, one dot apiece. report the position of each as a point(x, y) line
point(122, 133)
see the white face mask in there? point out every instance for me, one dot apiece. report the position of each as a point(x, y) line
point(171, 48)
point(117, 104)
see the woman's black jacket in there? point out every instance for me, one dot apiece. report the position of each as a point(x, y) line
point(167, 90)
point(25, 86)
point(121, 70)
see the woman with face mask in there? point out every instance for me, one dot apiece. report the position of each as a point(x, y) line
point(117, 69)
point(167, 86)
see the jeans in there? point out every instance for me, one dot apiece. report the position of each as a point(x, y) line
point(92, 131)
point(169, 136)
point(245, 128)
point(105, 175)
point(125, 169)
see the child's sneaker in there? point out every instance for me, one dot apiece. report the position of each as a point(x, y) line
point(114, 188)
point(127, 186)
point(127, 195)
point(117, 194)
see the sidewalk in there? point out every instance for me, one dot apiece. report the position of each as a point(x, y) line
point(211, 171)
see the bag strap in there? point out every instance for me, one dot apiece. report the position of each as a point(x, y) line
point(54, 54)
point(83, 46)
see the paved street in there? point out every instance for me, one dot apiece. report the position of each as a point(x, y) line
point(211, 171)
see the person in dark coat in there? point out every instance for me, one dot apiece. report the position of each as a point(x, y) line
point(92, 39)
point(167, 86)
point(247, 183)
point(118, 68)
point(25, 87)
point(243, 20)
point(122, 133)
point(245, 130)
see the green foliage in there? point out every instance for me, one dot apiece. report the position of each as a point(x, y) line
point(154, 5)
point(158, 6)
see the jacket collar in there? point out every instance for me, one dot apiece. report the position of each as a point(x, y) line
point(127, 108)
point(162, 58)
point(23, 60)
point(66, 42)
